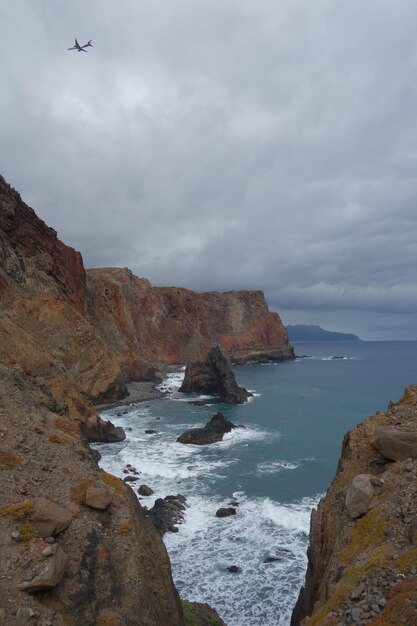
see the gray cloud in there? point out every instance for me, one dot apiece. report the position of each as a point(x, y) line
point(227, 145)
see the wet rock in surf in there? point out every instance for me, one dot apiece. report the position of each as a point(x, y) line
point(213, 431)
point(166, 512)
point(226, 511)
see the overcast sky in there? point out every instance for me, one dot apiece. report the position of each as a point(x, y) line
point(226, 144)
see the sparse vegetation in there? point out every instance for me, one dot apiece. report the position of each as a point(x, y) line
point(26, 532)
point(54, 438)
point(401, 607)
point(67, 426)
point(113, 481)
point(78, 491)
point(374, 563)
point(407, 560)
point(18, 511)
point(369, 530)
point(10, 459)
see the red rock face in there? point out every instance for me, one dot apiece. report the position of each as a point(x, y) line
point(175, 325)
point(128, 327)
point(26, 242)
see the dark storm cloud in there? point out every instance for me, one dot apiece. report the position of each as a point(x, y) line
point(227, 145)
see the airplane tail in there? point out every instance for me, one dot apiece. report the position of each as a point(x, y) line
point(89, 43)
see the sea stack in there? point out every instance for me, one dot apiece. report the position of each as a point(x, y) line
point(214, 375)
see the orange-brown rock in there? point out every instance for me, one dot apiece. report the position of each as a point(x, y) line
point(109, 563)
point(173, 325)
point(361, 570)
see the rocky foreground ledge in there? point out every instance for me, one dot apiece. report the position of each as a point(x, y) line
point(362, 558)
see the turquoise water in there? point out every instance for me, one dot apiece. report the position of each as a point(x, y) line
point(277, 468)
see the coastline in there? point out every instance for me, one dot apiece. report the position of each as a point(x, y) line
point(137, 392)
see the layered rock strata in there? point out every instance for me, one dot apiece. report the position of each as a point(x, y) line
point(213, 375)
point(362, 558)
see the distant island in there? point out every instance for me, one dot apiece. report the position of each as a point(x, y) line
point(311, 332)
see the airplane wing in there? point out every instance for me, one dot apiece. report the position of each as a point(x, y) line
point(77, 45)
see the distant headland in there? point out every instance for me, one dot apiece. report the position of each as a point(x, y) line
point(311, 332)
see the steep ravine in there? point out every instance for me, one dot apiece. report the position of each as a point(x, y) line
point(75, 546)
point(362, 558)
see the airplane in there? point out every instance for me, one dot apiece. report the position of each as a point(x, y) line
point(77, 46)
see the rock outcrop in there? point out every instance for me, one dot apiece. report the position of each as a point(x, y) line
point(362, 558)
point(213, 431)
point(213, 375)
point(166, 512)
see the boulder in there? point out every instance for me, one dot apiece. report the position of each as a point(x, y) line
point(49, 519)
point(98, 498)
point(52, 573)
point(213, 431)
point(214, 375)
point(144, 490)
point(359, 495)
point(394, 444)
point(166, 512)
point(226, 511)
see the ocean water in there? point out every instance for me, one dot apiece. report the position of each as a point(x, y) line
point(277, 468)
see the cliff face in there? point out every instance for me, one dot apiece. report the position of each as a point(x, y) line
point(43, 304)
point(108, 327)
point(362, 559)
point(172, 325)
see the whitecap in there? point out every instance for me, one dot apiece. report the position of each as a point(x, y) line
point(274, 467)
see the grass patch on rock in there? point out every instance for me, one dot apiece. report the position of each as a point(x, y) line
point(18, 511)
point(369, 530)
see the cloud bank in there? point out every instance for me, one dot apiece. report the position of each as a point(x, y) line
point(223, 146)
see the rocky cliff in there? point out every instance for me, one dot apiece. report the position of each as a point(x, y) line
point(362, 559)
point(75, 545)
point(172, 325)
point(106, 327)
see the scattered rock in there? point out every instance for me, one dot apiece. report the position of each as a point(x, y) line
point(213, 431)
point(272, 559)
point(51, 575)
point(50, 518)
point(226, 511)
point(359, 495)
point(150, 431)
point(130, 479)
point(214, 375)
point(98, 498)
point(144, 490)
point(394, 444)
point(233, 569)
